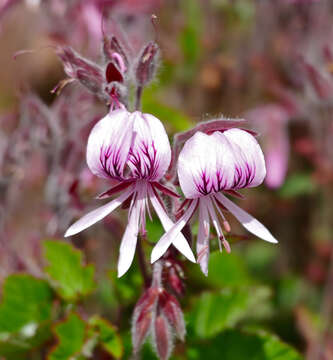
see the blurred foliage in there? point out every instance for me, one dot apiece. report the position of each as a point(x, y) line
point(172, 117)
point(30, 307)
point(215, 311)
point(70, 334)
point(70, 278)
point(237, 344)
point(232, 299)
point(297, 185)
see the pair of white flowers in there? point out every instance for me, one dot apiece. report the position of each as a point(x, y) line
point(134, 149)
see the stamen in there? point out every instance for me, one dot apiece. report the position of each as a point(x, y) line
point(216, 224)
point(148, 209)
point(215, 201)
point(226, 246)
point(220, 243)
point(226, 226)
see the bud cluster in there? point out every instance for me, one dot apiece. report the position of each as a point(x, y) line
point(159, 315)
point(111, 80)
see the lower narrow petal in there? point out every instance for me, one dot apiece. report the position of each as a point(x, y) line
point(129, 240)
point(97, 214)
point(247, 220)
point(179, 241)
point(203, 238)
point(172, 234)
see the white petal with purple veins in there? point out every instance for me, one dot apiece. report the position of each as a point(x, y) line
point(205, 165)
point(150, 153)
point(247, 220)
point(109, 143)
point(249, 157)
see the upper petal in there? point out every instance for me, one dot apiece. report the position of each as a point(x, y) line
point(250, 169)
point(205, 165)
point(109, 144)
point(150, 153)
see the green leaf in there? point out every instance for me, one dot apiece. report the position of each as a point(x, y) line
point(71, 338)
point(154, 229)
point(25, 314)
point(260, 257)
point(224, 270)
point(69, 277)
point(25, 301)
point(297, 185)
point(236, 345)
point(213, 312)
point(107, 336)
point(126, 288)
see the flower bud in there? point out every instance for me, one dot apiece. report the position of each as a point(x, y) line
point(321, 84)
point(170, 307)
point(79, 68)
point(111, 46)
point(162, 339)
point(175, 280)
point(157, 313)
point(147, 64)
point(142, 317)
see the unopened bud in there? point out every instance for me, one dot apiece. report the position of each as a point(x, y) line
point(170, 307)
point(162, 339)
point(142, 318)
point(147, 64)
point(321, 84)
point(112, 46)
point(79, 68)
point(175, 281)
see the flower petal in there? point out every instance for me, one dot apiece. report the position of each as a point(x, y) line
point(97, 214)
point(150, 153)
point(179, 241)
point(277, 153)
point(271, 120)
point(172, 234)
point(247, 220)
point(203, 238)
point(250, 160)
point(206, 164)
point(129, 240)
point(109, 144)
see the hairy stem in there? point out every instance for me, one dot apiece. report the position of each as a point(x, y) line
point(138, 96)
point(157, 274)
